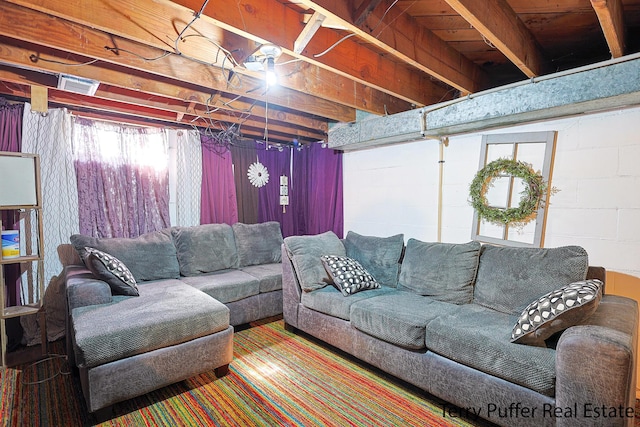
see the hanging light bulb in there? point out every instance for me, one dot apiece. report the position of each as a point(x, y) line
point(271, 77)
point(271, 52)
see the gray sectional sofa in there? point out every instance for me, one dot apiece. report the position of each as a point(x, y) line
point(149, 311)
point(517, 336)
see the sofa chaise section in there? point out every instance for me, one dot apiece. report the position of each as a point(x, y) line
point(165, 297)
point(132, 345)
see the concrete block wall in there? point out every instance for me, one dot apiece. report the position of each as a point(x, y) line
point(597, 172)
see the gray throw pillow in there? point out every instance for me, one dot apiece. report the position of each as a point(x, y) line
point(305, 253)
point(205, 248)
point(380, 256)
point(258, 243)
point(150, 256)
point(443, 271)
point(348, 275)
point(110, 269)
point(510, 278)
point(556, 311)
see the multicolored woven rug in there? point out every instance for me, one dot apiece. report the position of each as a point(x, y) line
point(276, 379)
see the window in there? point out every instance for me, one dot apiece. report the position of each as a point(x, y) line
point(534, 148)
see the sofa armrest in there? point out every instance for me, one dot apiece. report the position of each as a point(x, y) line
point(596, 366)
point(291, 291)
point(83, 289)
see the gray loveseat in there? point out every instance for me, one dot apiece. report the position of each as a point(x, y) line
point(174, 317)
point(445, 315)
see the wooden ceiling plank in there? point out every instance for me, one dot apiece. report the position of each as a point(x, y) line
point(610, 15)
point(273, 22)
point(28, 25)
point(501, 26)
point(149, 88)
point(124, 100)
point(389, 28)
point(153, 22)
point(133, 120)
point(435, 8)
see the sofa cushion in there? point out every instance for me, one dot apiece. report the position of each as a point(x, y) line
point(398, 317)
point(479, 338)
point(305, 253)
point(329, 300)
point(205, 248)
point(258, 243)
point(556, 311)
point(225, 285)
point(113, 271)
point(150, 256)
point(380, 256)
point(443, 271)
point(510, 278)
point(269, 275)
point(166, 313)
point(348, 276)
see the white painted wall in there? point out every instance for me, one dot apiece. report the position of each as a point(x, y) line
point(393, 189)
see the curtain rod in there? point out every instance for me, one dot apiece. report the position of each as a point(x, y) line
point(125, 120)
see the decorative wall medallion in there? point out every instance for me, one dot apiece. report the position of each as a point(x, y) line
point(258, 174)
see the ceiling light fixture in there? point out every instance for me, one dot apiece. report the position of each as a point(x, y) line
point(271, 52)
point(270, 76)
point(264, 59)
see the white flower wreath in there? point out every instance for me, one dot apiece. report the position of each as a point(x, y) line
point(258, 174)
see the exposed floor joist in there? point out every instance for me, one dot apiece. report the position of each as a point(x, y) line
point(166, 61)
point(393, 31)
point(500, 25)
point(610, 15)
point(158, 24)
point(148, 90)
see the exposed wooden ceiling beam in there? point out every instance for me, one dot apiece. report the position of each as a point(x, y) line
point(501, 26)
point(147, 88)
point(126, 102)
point(390, 29)
point(271, 21)
point(38, 28)
point(611, 19)
point(158, 24)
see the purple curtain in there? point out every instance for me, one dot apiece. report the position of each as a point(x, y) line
point(278, 163)
point(315, 190)
point(317, 181)
point(218, 203)
point(123, 179)
point(11, 140)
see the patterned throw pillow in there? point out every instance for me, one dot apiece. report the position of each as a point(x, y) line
point(348, 275)
point(556, 311)
point(113, 271)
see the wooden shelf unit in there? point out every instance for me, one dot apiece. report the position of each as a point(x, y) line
point(31, 252)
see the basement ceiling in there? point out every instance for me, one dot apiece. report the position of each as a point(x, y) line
point(199, 63)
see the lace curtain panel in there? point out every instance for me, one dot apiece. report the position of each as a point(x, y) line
point(123, 179)
point(49, 136)
point(188, 178)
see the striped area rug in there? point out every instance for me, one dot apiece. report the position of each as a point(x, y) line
point(276, 379)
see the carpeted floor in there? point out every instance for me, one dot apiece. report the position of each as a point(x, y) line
point(276, 379)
